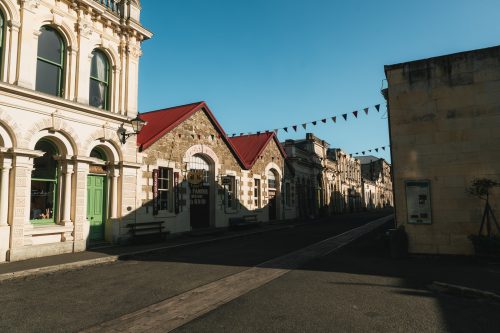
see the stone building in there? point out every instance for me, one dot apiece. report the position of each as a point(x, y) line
point(195, 177)
point(68, 88)
point(444, 120)
point(377, 172)
point(328, 181)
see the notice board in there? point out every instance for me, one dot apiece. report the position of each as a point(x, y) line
point(418, 201)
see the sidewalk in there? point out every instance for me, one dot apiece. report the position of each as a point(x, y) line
point(103, 255)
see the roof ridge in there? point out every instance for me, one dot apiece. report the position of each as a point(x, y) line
point(172, 107)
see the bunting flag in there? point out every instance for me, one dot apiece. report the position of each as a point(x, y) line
point(345, 116)
point(212, 136)
point(294, 128)
point(363, 152)
point(323, 121)
point(355, 113)
point(258, 133)
point(334, 119)
point(369, 150)
point(383, 148)
point(304, 125)
point(366, 111)
point(285, 129)
point(377, 107)
point(376, 149)
point(234, 134)
point(314, 123)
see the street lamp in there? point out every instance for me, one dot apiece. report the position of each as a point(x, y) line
point(137, 125)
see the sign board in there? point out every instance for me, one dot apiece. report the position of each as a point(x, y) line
point(155, 192)
point(195, 177)
point(418, 201)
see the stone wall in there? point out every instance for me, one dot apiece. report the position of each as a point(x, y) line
point(444, 120)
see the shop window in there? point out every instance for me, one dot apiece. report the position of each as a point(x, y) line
point(256, 193)
point(44, 185)
point(50, 62)
point(99, 81)
point(229, 185)
point(164, 197)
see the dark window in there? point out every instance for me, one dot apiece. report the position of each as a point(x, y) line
point(99, 81)
point(229, 184)
point(44, 185)
point(288, 194)
point(256, 193)
point(50, 62)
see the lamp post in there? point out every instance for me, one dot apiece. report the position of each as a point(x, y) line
point(137, 125)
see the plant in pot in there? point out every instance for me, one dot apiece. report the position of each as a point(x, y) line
point(486, 242)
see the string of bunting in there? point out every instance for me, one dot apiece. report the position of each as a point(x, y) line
point(334, 119)
point(363, 152)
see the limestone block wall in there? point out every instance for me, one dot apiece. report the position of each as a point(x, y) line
point(444, 120)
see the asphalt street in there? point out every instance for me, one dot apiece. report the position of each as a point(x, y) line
point(360, 289)
point(74, 300)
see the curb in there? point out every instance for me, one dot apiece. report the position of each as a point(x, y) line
point(47, 270)
point(463, 291)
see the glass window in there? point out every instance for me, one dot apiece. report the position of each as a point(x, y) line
point(256, 193)
point(50, 62)
point(164, 189)
point(271, 180)
point(99, 81)
point(44, 185)
point(229, 184)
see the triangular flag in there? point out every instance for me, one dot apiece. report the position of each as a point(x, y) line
point(363, 152)
point(294, 128)
point(212, 136)
point(314, 123)
point(258, 133)
point(345, 116)
point(304, 125)
point(383, 148)
point(267, 131)
point(366, 110)
point(377, 107)
point(355, 113)
point(323, 121)
point(334, 119)
point(376, 149)
point(234, 134)
point(285, 129)
point(369, 150)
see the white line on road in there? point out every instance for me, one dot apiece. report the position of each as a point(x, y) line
point(174, 312)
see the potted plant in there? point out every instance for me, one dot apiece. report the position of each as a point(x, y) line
point(486, 242)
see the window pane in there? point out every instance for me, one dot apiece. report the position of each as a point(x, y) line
point(47, 78)
point(42, 200)
point(45, 166)
point(50, 46)
point(98, 92)
point(100, 66)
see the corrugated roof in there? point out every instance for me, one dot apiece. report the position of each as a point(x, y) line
point(249, 147)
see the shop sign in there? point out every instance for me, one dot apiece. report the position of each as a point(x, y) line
point(195, 177)
point(97, 169)
point(418, 201)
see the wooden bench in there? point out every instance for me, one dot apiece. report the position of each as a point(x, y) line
point(147, 231)
point(244, 221)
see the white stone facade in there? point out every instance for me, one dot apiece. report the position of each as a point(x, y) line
point(67, 122)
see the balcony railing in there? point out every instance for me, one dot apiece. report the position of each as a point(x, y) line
point(114, 6)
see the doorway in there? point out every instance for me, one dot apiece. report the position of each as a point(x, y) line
point(96, 206)
point(200, 179)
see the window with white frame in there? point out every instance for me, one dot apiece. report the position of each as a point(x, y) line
point(164, 198)
point(256, 193)
point(229, 184)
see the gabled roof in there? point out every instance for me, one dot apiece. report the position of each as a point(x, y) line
point(249, 147)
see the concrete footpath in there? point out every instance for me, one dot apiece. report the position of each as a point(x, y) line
point(109, 254)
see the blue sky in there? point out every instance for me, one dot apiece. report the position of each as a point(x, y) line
point(265, 64)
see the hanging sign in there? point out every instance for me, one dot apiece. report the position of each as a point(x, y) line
point(195, 177)
point(418, 201)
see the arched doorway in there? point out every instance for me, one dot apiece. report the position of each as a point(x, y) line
point(97, 189)
point(200, 177)
point(272, 186)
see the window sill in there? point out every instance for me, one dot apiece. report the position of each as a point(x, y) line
point(48, 229)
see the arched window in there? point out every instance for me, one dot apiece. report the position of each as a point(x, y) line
point(99, 81)
point(271, 180)
point(44, 180)
point(50, 62)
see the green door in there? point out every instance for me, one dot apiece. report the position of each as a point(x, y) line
point(96, 206)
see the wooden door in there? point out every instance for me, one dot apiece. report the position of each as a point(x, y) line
point(96, 206)
point(200, 207)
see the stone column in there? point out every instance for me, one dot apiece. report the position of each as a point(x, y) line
point(4, 210)
point(114, 193)
point(66, 214)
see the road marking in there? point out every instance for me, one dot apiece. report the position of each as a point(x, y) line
point(174, 312)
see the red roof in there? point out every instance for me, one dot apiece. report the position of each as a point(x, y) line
point(249, 147)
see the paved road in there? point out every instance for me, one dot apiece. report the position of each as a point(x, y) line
point(71, 301)
point(358, 289)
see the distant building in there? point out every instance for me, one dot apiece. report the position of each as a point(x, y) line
point(444, 128)
point(377, 172)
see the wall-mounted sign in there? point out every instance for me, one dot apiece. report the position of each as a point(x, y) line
point(418, 201)
point(195, 177)
point(98, 169)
